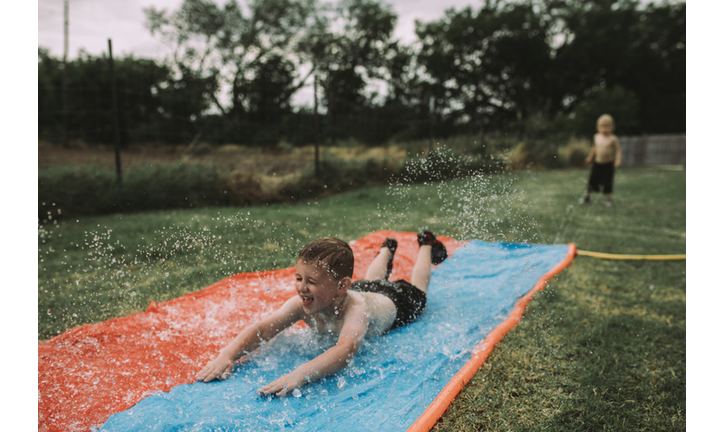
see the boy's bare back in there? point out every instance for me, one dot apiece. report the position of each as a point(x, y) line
point(379, 310)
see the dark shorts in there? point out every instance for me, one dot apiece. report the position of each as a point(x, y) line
point(408, 300)
point(601, 176)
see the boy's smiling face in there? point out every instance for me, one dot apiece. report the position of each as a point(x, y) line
point(316, 287)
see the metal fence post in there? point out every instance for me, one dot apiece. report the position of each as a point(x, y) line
point(116, 137)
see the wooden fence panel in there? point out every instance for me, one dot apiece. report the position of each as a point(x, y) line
point(653, 150)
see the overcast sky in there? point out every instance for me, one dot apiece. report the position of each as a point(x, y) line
point(93, 22)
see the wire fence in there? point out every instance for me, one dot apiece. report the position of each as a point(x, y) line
point(146, 117)
point(175, 120)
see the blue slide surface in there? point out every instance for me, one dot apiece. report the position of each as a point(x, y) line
point(391, 380)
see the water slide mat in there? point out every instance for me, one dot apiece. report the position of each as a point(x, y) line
point(137, 372)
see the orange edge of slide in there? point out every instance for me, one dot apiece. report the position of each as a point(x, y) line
point(481, 352)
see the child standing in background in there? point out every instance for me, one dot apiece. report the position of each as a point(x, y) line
point(605, 148)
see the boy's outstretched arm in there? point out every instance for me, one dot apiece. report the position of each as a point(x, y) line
point(249, 339)
point(328, 363)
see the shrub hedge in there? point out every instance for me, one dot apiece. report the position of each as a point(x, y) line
point(73, 191)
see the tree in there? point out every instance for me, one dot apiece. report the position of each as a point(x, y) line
point(620, 103)
point(50, 103)
point(349, 47)
point(660, 77)
point(405, 114)
point(509, 63)
point(612, 43)
point(229, 46)
point(152, 105)
point(487, 67)
point(266, 99)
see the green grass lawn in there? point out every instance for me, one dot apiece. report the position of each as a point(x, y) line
point(603, 347)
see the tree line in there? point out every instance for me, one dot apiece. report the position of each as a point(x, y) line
point(532, 68)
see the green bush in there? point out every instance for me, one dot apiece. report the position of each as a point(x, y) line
point(68, 191)
point(443, 164)
point(619, 102)
point(336, 176)
point(531, 153)
point(575, 152)
point(166, 186)
point(544, 153)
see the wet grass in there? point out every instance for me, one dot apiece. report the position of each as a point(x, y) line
point(601, 348)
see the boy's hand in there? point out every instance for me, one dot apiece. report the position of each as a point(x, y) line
point(219, 368)
point(282, 385)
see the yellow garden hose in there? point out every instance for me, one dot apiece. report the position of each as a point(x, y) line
point(631, 257)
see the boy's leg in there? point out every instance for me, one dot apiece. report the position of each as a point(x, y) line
point(381, 266)
point(586, 198)
point(378, 268)
point(608, 185)
point(422, 269)
point(432, 251)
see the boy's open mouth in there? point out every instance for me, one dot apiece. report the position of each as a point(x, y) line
point(306, 300)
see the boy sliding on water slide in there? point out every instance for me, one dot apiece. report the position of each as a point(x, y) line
point(328, 301)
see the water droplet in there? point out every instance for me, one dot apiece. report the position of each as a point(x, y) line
point(297, 393)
